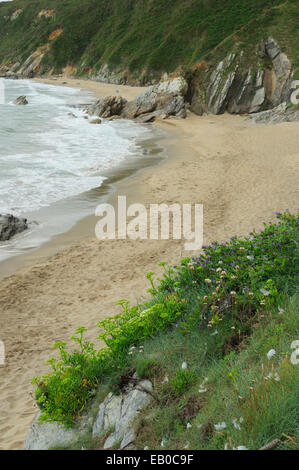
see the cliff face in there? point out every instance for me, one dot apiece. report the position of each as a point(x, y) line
point(225, 50)
point(235, 87)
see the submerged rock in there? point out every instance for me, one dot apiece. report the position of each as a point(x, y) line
point(21, 100)
point(10, 225)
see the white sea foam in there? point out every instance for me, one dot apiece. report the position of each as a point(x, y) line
point(47, 154)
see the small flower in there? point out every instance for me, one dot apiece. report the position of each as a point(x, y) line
point(146, 448)
point(251, 294)
point(233, 293)
point(165, 380)
point(184, 365)
point(189, 426)
point(208, 281)
point(271, 353)
point(215, 333)
point(220, 426)
point(265, 292)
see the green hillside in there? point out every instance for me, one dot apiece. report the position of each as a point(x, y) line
point(143, 36)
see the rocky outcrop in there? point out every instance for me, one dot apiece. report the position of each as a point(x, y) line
point(123, 77)
point(45, 436)
point(167, 98)
point(10, 226)
point(114, 421)
point(117, 413)
point(32, 64)
point(235, 87)
point(21, 100)
point(276, 115)
point(107, 107)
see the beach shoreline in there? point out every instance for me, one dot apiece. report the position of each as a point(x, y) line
point(241, 173)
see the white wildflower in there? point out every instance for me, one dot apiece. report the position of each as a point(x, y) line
point(265, 292)
point(220, 426)
point(184, 365)
point(215, 333)
point(146, 448)
point(236, 423)
point(240, 448)
point(271, 353)
point(165, 380)
point(189, 426)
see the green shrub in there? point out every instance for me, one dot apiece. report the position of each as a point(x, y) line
point(182, 380)
point(224, 288)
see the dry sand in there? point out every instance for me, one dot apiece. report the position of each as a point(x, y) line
point(241, 173)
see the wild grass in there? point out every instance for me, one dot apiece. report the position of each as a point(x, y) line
point(204, 313)
point(139, 35)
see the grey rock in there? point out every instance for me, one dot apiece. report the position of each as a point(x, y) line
point(95, 121)
point(280, 113)
point(233, 87)
point(44, 436)
point(10, 226)
point(21, 100)
point(108, 106)
point(117, 413)
point(166, 98)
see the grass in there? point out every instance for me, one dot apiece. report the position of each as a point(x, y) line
point(145, 37)
point(232, 384)
point(218, 314)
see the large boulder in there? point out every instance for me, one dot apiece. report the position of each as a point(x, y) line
point(167, 98)
point(45, 436)
point(108, 106)
point(10, 226)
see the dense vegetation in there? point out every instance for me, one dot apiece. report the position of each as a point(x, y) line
point(139, 35)
point(221, 313)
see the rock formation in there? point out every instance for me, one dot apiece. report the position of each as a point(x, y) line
point(10, 226)
point(114, 421)
point(235, 87)
point(21, 100)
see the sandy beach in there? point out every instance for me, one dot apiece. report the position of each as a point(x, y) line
point(241, 173)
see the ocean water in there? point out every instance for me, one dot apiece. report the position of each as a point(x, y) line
point(52, 157)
